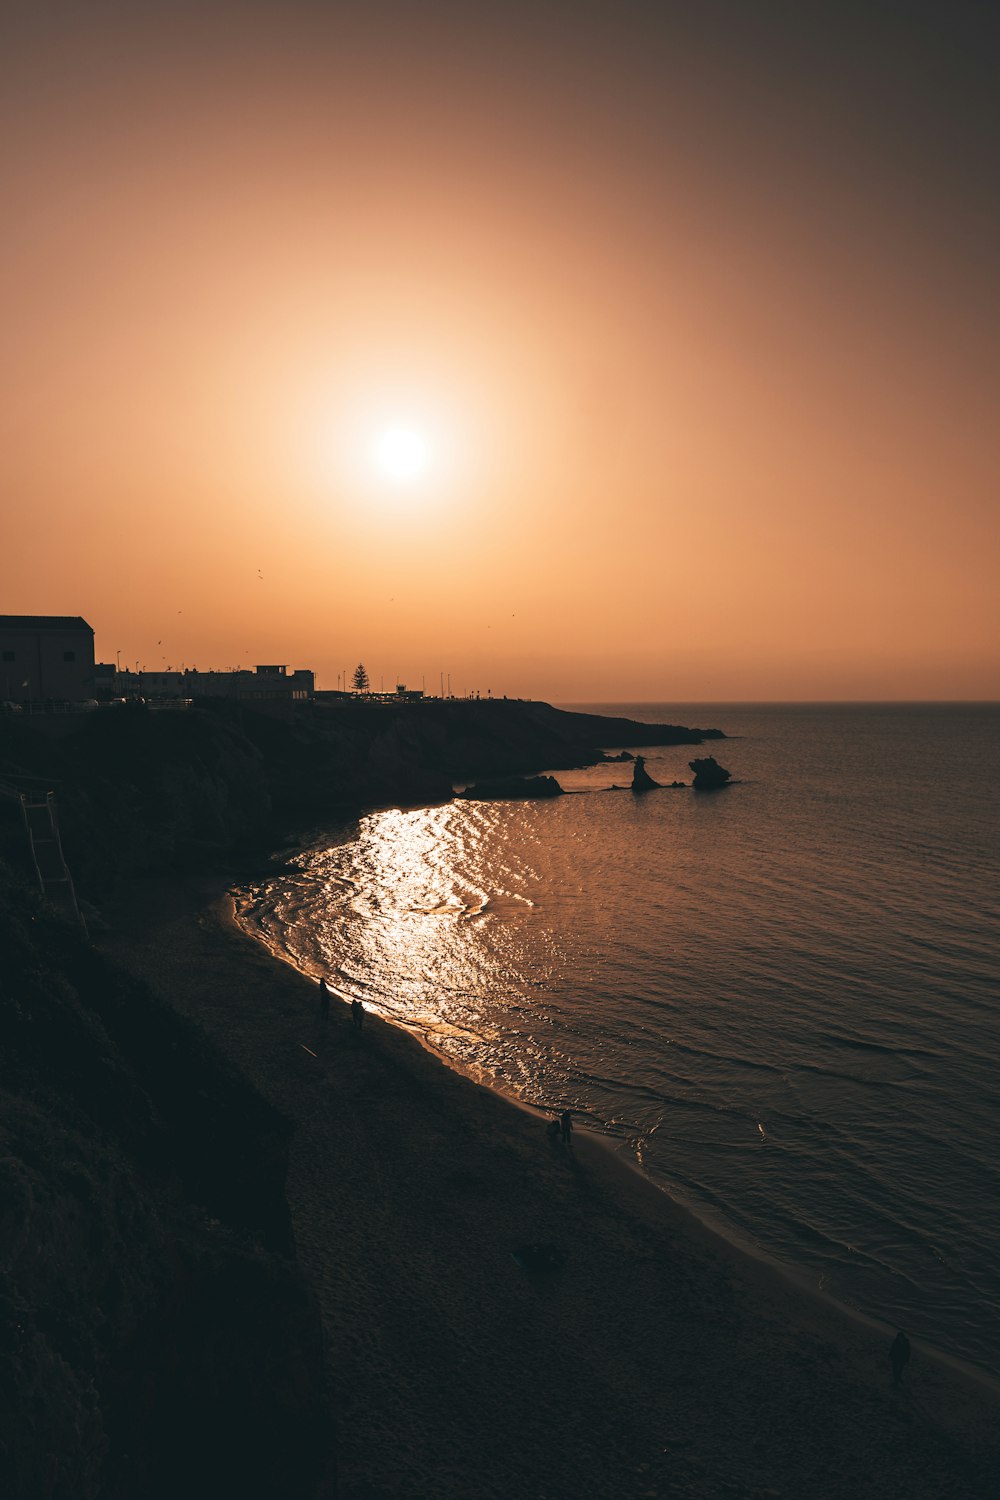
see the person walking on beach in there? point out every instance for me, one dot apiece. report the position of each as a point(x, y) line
point(324, 1000)
point(566, 1126)
point(899, 1356)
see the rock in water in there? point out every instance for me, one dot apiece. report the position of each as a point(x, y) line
point(708, 774)
point(641, 779)
point(513, 789)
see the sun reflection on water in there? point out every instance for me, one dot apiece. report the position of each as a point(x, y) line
point(420, 916)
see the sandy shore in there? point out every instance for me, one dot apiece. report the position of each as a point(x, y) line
point(657, 1361)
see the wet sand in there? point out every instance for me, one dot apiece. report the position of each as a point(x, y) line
point(656, 1361)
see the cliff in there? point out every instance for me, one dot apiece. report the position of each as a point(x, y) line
point(457, 739)
point(142, 791)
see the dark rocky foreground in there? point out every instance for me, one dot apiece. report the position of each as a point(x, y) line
point(156, 1335)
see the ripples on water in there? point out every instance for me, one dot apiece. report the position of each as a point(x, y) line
point(783, 995)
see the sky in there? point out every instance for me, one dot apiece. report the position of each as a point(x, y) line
point(570, 349)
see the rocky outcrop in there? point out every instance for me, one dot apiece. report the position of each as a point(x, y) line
point(463, 740)
point(641, 779)
point(709, 776)
point(513, 789)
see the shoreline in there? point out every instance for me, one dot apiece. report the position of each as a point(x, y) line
point(794, 1276)
point(660, 1360)
point(616, 1151)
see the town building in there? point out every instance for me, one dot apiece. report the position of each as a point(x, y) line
point(265, 685)
point(46, 659)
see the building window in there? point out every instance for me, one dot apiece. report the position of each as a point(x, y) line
point(69, 656)
point(8, 656)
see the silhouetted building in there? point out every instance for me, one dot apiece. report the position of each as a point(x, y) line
point(46, 659)
point(105, 673)
point(265, 684)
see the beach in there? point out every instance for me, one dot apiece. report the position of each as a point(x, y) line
point(655, 1359)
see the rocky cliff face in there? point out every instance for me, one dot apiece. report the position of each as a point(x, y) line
point(142, 791)
point(156, 1338)
point(460, 739)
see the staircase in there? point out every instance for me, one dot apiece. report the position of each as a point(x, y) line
point(42, 827)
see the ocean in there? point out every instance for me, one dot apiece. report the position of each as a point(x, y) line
point(782, 996)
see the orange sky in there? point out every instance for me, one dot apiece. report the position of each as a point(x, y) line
point(697, 313)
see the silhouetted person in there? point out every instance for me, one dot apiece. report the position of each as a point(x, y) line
point(899, 1356)
point(324, 999)
point(566, 1126)
point(554, 1129)
point(357, 1013)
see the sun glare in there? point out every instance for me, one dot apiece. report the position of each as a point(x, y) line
point(402, 453)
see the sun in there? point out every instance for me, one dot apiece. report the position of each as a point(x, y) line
point(402, 453)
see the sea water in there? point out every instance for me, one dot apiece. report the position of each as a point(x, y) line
point(782, 996)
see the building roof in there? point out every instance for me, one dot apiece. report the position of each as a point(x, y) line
point(44, 622)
